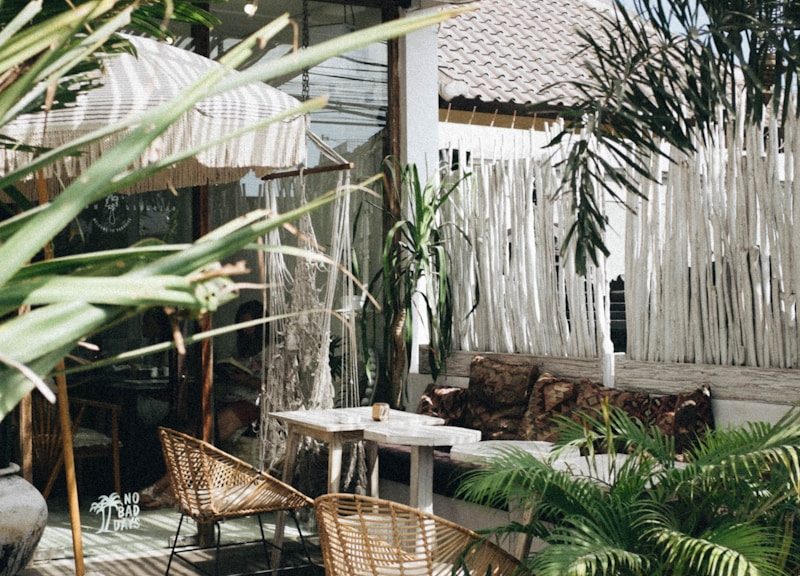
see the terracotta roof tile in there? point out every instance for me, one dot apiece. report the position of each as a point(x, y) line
point(511, 50)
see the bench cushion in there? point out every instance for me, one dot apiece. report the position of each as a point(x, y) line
point(446, 402)
point(498, 396)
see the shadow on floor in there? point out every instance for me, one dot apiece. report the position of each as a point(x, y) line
point(139, 544)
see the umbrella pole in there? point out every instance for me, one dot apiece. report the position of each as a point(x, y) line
point(69, 469)
point(66, 429)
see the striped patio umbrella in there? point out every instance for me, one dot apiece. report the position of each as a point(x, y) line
point(134, 84)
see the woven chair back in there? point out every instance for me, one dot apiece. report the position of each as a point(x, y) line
point(210, 484)
point(360, 536)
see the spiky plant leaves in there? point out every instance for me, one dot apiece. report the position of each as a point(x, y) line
point(413, 250)
point(43, 55)
point(661, 73)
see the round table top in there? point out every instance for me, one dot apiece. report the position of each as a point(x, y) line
point(401, 433)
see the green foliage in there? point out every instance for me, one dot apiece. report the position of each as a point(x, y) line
point(414, 251)
point(729, 508)
point(662, 77)
point(76, 297)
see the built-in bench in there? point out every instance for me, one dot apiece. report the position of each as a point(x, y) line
point(738, 394)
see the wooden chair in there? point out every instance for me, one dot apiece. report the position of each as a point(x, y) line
point(211, 486)
point(361, 535)
point(95, 434)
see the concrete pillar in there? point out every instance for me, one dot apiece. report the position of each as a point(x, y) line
point(419, 112)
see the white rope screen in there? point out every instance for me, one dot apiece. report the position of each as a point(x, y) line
point(528, 299)
point(713, 259)
point(298, 373)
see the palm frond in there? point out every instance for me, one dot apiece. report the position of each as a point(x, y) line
point(518, 478)
point(723, 548)
point(580, 547)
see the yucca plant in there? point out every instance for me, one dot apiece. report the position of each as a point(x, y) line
point(730, 507)
point(414, 252)
point(72, 298)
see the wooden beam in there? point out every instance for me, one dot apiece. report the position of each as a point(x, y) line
point(307, 171)
point(742, 383)
point(66, 426)
point(500, 120)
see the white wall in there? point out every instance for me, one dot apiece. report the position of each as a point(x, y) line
point(419, 108)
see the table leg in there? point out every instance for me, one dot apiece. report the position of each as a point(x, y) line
point(292, 445)
point(373, 467)
point(334, 464)
point(421, 478)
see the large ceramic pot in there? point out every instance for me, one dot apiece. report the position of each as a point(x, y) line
point(23, 516)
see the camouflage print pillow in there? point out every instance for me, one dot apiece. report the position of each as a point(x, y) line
point(592, 396)
point(446, 402)
point(685, 416)
point(498, 396)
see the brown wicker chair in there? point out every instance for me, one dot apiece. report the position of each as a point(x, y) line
point(210, 486)
point(361, 535)
point(95, 434)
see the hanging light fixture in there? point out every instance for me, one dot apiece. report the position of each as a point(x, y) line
point(251, 8)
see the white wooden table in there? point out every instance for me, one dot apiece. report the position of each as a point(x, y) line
point(421, 439)
point(335, 426)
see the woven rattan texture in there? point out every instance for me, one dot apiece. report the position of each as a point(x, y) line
point(360, 535)
point(211, 485)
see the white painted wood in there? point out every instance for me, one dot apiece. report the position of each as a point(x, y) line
point(421, 478)
point(421, 439)
point(718, 246)
point(479, 452)
point(325, 421)
point(412, 434)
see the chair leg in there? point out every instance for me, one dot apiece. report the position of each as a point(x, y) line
point(264, 542)
point(216, 557)
point(300, 533)
point(174, 543)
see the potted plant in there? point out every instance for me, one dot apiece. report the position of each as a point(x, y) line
point(415, 262)
point(729, 507)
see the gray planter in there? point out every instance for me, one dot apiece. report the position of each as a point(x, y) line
point(23, 516)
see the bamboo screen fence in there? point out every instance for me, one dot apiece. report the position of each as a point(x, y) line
point(527, 300)
point(712, 260)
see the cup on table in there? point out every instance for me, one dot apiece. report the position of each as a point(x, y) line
point(380, 411)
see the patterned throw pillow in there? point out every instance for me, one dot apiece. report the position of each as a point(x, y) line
point(446, 402)
point(592, 396)
point(497, 397)
point(551, 396)
point(686, 416)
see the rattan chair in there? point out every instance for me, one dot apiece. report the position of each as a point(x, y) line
point(361, 535)
point(211, 486)
point(95, 434)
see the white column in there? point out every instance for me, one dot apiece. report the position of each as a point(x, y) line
point(419, 110)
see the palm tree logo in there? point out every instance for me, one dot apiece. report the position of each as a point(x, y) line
point(103, 506)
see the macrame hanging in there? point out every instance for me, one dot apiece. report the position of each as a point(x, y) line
point(299, 375)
